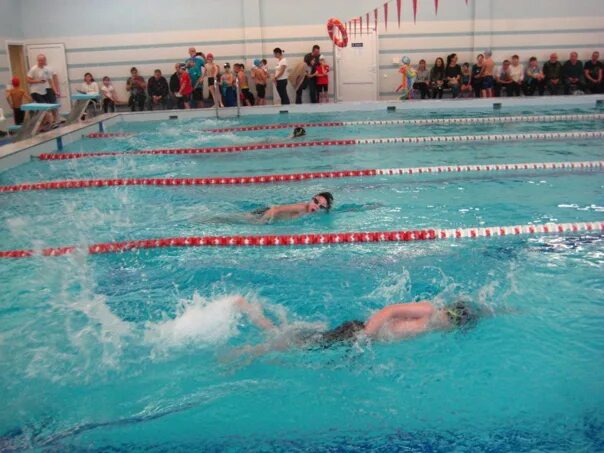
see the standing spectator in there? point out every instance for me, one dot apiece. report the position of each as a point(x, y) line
point(44, 84)
point(593, 73)
point(572, 74)
point(280, 79)
point(89, 86)
point(194, 75)
point(503, 79)
point(229, 94)
point(422, 79)
point(157, 89)
point(16, 97)
point(437, 78)
point(322, 80)
point(466, 79)
point(486, 74)
point(476, 78)
point(109, 96)
point(453, 75)
point(185, 88)
point(517, 74)
point(552, 71)
point(244, 85)
point(195, 57)
point(213, 71)
point(177, 101)
point(298, 77)
point(137, 86)
point(312, 60)
point(535, 80)
point(259, 75)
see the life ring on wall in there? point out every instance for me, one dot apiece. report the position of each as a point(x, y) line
point(336, 23)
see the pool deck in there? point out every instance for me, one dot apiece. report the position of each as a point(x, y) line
point(15, 154)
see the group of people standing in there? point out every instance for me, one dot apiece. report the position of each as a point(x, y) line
point(484, 79)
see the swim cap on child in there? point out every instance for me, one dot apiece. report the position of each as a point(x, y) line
point(257, 62)
point(406, 60)
point(15, 82)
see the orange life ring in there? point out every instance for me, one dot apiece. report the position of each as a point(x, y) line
point(336, 23)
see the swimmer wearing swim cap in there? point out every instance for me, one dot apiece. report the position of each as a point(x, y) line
point(299, 132)
point(321, 202)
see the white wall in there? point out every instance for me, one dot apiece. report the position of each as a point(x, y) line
point(107, 37)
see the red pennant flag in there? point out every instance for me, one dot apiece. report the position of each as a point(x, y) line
point(361, 25)
point(375, 18)
point(399, 8)
point(367, 20)
point(386, 16)
point(436, 7)
point(414, 10)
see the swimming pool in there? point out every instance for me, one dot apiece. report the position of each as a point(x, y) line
point(134, 350)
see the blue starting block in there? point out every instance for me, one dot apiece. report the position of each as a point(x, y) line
point(80, 105)
point(33, 121)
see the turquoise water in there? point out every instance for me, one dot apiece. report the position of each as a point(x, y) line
point(135, 350)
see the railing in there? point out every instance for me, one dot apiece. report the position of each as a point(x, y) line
point(216, 96)
point(238, 92)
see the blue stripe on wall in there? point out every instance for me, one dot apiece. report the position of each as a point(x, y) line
point(490, 33)
point(494, 49)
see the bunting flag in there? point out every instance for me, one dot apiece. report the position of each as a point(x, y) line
point(367, 21)
point(414, 10)
point(375, 17)
point(436, 6)
point(399, 8)
point(386, 16)
point(361, 24)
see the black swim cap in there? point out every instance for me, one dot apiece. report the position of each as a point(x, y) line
point(328, 197)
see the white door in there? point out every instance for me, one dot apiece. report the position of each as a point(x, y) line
point(55, 56)
point(356, 68)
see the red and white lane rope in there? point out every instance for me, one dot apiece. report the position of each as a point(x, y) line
point(348, 142)
point(109, 134)
point(313, 239)
point(422, 122)
point(297, 177)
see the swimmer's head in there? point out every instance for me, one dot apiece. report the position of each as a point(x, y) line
point(299, 132)
point(257, 62)
point(406, 60)
point(321, 202)
point(488, 53)
point(461, 314)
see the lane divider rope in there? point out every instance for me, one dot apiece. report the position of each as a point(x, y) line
point(421, 122)
point(297, 177)
point(109, 135)
point(313, 239)
point(347, 142)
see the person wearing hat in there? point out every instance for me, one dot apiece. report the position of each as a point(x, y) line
point(260, 76)
point(16, 97)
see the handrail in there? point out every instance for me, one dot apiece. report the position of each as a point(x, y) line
point(216, 96)
point(238, 91)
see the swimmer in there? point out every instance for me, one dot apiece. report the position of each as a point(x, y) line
point(320, 202)
point(393, 322)
point(298, 132)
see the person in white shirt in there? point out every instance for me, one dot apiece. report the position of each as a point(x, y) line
point(89, 86)
point(280, 79)
point(109, 96)
point(517, 75)
point(44, 84)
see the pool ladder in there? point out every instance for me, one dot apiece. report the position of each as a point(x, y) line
point(219, 96)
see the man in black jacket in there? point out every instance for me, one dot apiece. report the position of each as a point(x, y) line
point(176, 100)
point(312, 60)
point(157, 88)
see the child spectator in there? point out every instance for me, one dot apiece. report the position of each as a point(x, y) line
point(260, 76)
point(503, 79)
point(229, 94)
point(137, 86)
point(89, 86)
point(466, 79)
point(322, 80)
point(16, 97)
point(244, 85)
point(476, 77)
point(185, 90)
point(552, 71)
point(593, 73)
point(535, 80)
point(437, 78)
point(109, 96)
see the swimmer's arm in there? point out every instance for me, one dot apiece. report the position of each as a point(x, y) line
point(414, 310)
point(290, 209)
point(254, 313)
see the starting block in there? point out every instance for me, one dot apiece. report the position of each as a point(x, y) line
point(32, 124)
point(80, 105)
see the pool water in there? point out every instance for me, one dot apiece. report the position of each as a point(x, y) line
point(139, 350)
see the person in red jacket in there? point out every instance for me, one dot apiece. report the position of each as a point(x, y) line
point(322, 80)
point(185, 86)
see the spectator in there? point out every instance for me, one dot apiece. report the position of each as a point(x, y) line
point(453, 75)
point(503, 79)
point(593, 73)
point(213, 72)
point(535, 80)
point(244, 85)
point(196, 58)
point(44, 84)
point(476, 78)
point(298, 78)
point(136, 85)
point(185, 88)
point(322, 80)
point(572, 75)
point(422, 79)
point(466, 79)
point(517, 74)
point(194, 75)
point(312, 60)
point(280, 79)
point(158, 91)
point(437, 78)
point(16, 97)
point(552, 71)
point(109, 96)
point(89, 86)
point(229, 94)
point(259, 75)
point(486, 74)
point(177, 101)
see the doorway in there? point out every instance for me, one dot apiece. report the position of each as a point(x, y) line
point(17, 65)
point(55, 56)
point(357, 68)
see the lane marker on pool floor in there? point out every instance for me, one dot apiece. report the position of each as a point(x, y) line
point(298, 177)
point(421, 122)
point(316, 239)
point(346, 142)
